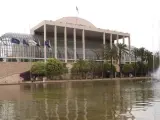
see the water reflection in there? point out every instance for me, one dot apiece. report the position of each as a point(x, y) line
point(76, 109)
point(79, 101)
point(56, 111)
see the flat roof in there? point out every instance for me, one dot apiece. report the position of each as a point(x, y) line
point(71, 22)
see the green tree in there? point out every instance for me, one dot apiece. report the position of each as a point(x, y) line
point(54, 67)
point(135, 68)
point(142, 68)
point(156, 62)
point(122, 49)
point(81, 67)
point(149, 60)
point(142, 54)
point(135, 53)
point(127, 68)
point(109, 68)
point(100, 55)
point(93, 67)
point(110, 53)
point(38, 68)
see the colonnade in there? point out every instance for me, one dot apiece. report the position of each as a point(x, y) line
point(83, 42)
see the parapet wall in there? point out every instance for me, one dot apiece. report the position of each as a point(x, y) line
point(11, 68)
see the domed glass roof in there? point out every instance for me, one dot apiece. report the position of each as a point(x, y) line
point(28, 37)
point(76, 20)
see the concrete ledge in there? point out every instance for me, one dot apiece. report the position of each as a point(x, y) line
point(13, 79)
point(90, 80)
point(11, 68)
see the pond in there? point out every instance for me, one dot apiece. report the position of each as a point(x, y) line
point(100, 100)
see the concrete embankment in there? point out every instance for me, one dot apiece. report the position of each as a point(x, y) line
point(9, 73)
point(90, 80)
point(15, 80)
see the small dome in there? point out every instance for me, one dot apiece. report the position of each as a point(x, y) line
point(75, 20)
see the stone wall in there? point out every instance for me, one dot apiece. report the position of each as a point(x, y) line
point(9, 71)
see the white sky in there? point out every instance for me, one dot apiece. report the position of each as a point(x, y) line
point(133, 16)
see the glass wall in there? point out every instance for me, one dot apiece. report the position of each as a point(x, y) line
point(33, 49)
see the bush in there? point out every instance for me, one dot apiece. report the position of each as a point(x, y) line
point(127, 68)
point(142, 69)
point(108, 67)
point(1, 59)
point(38, 68)
point(135, 66)
point(54, 67)
point(80, 66)
point(95, 69)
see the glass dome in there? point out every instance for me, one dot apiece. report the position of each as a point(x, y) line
point(34, 48)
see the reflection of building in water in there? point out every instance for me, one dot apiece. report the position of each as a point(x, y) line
point(7, 110)
point(76, 109)
point(68, 101)
point(11, 97)
point(13, 92)
point(85, 109)
point(56, 111)
point(67, 108)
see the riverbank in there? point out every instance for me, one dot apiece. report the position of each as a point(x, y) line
point(83, 80)
point(90, 80)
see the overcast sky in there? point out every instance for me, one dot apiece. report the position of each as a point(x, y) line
point(140, 18)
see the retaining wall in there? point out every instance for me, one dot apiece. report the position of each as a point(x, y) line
point(9, 71)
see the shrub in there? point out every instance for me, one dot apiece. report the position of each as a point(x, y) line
point(127, 68)
point(54, 67)
point(38, 68)
point(107, 67)
point(135, 66)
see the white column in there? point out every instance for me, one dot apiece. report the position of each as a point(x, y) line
point(123, 39)
point(124, 53)
point(44, 42)
point(75, 50)
point(111, 40)
point(83, 44)
point(129, 44)
point(65, 44)
point(111, 44)
point(118, 48)
point(104, 38)
point(104, 43)
point(117, 38)
point(55, 41)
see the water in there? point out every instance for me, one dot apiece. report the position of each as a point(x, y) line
point(125, 100)
point(156, 75)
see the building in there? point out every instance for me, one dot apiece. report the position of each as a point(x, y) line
point(67, 39)
point(126, 58)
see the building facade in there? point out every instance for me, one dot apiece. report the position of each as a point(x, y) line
point(67, 39)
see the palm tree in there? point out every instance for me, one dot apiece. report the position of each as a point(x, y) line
point(135, 53)
point(122, 49)
point(111, 53)
point(100, 55)
point(142, 55)
point(149, 60)
point(156, 60)
point(92, 67)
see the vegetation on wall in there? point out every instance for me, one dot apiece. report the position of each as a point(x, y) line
point(38, 68)
point(50, 69)
point(90, 69)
